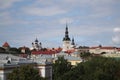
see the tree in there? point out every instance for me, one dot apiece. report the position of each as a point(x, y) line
point(13, 50)
point(60, 67)
point(85, 55)
point(26, 72)
point(97, 68)
point(2, 50)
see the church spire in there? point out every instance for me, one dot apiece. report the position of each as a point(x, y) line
point(73, 43)
point(66, 32)
point(66, 38)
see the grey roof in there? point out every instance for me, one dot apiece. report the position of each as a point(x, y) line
point(61, 54)
point(76, 52)
point(45, 56)
point(71, 58)
point(43, 59)
point(4, 56)
point(14, 60)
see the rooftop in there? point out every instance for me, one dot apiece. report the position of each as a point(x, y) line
point(6, 44)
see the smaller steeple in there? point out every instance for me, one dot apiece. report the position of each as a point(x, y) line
point(40, 44)
point(73, 43)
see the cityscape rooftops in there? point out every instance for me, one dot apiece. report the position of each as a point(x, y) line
point(103, 47)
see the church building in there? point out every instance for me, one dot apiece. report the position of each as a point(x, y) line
point(36, 45)
point(67, 43)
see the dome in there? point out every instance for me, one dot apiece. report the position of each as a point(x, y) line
point(66, 39)
point(36, 40)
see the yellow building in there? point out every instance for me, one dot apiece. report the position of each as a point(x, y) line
point(72, 59)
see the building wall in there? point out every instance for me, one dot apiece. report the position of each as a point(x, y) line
point(98, 50)
point(112, 55)
point(66, 45)
point(5, 71)
point(45, 71)
point(75, 62)
point(2, 75)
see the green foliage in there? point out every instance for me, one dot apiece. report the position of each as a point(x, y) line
point(60, 67)
point(13, 51)
point(26, 72)
point(98, 68)
point(85, 55)
point(2, 50)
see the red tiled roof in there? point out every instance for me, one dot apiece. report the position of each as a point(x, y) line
point(70, 51)
point(93, 47)
point(46, 52)
point(24, 48)
point(118, 49)
point(6, 44)
point(105, 47)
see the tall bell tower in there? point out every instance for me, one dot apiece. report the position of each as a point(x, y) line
point(66, 40)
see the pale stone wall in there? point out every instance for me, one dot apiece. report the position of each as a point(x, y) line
point(45, 71)
point(98, 51)
point(111, 55)
point(66, 45)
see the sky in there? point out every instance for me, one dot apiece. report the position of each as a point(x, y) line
point(90, 22)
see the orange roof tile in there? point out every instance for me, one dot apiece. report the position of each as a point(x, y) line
point(45, 52)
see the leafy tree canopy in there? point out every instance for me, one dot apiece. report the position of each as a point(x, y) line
point(60, 67)
point(98, 68)
point(2, 49)
point(26, 72)
point(13, 50)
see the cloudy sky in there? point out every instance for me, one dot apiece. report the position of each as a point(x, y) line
point(90, 22)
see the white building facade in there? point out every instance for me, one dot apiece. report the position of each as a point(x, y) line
point(6, 67)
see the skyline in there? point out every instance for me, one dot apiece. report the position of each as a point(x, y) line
point(90, 22)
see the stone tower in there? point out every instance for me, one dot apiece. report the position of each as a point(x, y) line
point(66, 40)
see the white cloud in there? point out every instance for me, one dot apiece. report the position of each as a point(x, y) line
point(116, 37)
point(3, 14)
point(116, 30)
point(98, 8)
point(7, 3)
point(43, 3)
point(89, 30)
point(95, 8)
point(93, 2)
point(84, 18)
point(5, 18)
point(66, 20)
point(46, 11)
